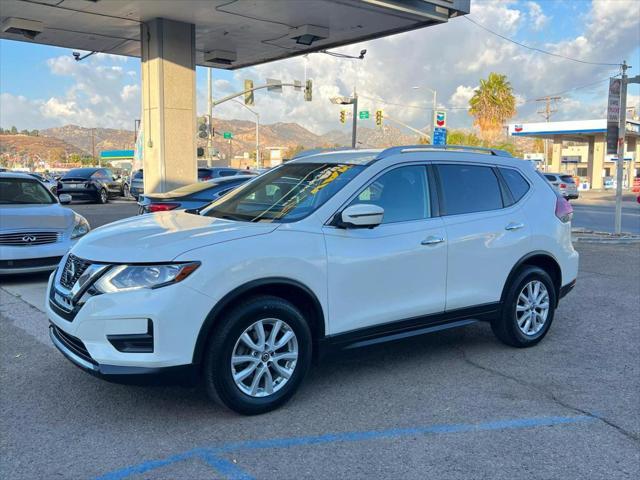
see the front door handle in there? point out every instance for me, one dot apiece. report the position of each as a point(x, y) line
point(514, 226)
point(432, 240)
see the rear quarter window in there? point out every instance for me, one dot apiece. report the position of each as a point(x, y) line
point(567, 179)
point(516, 183)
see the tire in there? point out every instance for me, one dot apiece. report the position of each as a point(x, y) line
point(103, 196)
point(125, 191)
point(511, 326)
point(225, 342)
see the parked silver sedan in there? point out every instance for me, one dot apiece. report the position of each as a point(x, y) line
point(35, 229)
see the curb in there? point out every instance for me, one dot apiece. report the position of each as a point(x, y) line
point(589, 236)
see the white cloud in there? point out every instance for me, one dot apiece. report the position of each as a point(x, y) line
point(461, 96)
point(536, 16)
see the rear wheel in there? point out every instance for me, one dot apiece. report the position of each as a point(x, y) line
point(103, 197)
point(257, 358)
point(125, 190)
point(528, 309)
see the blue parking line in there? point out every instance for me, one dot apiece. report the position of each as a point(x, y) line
point(230, 470)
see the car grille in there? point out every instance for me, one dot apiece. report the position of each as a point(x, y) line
point(27, 239)
point(73, 268)
point(72, 343)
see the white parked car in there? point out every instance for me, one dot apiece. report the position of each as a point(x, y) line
point(35, 230)
point(336, 249)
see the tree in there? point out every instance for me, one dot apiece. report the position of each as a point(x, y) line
point(14, 130)
point(424, 140)
point(492, 104)
point(291, 152)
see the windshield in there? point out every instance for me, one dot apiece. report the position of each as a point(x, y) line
point(24, 191)
point(285, 194)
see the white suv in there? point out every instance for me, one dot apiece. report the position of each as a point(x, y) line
point(333, 249)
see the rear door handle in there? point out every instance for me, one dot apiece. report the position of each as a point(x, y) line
point(514, 226)
point(432, 240)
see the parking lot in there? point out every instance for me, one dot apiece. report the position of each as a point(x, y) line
point(456, 404)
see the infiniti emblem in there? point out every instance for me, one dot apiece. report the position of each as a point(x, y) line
point(29, 238)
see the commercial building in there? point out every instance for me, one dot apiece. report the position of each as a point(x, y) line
point(579, 148)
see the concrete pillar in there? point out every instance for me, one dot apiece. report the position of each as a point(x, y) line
point(168, 104)
point(596, 161)
point(556, 155)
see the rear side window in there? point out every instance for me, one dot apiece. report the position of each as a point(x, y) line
point(551, 178)
point(469, 189)
point(567, 178)
point(518, 186)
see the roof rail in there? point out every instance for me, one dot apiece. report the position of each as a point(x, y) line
point(315, 151)
point(423, 148)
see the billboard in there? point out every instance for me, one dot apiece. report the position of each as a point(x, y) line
point(613, 114)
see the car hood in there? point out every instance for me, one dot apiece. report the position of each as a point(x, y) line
point(161, 237)
point(35, 217)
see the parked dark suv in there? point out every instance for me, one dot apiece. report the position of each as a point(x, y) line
point(96, 184)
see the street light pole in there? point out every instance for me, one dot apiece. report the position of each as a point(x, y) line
point(210, 113)
point(435, 103)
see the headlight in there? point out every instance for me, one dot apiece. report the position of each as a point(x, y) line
point(80, 226)
point(134, 277)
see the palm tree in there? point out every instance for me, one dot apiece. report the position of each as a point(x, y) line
point(492, 104)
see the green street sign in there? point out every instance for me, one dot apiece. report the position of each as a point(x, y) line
point(364, 114)
point(227, 135)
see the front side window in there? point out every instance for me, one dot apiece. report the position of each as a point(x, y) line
point(518, 186)
point(403, 194)
point(469, 189)
point(23, 191)
point(285, 194)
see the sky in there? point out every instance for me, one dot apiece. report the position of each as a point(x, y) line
point(43, 86)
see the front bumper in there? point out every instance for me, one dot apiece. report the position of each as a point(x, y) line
point(176, 312)
point(32, 259)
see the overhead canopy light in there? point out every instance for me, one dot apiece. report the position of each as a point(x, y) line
point(220, 57)
point(29, 29)
point(307, 34)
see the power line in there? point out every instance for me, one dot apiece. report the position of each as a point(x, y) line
point(539, 50)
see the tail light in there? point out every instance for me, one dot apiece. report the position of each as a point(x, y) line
point(563, 185)
point(162, 207)
point(205, 179)
point(564, 210)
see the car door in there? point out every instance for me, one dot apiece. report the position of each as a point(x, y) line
point(396, 270)
point(486, 235)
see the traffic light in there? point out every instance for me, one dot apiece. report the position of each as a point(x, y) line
point(379, 118)
point(308, 91)
point(343, 116)
point(203, 128)
point(248, 96)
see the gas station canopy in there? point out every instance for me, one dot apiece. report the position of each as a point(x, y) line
point(228, 34)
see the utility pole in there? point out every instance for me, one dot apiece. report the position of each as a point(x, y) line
point(93, 147)
point(622, 127)
point(354, 129)
point(210, 113)
point(549, 108)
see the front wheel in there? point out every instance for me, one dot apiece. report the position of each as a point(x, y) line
point(528, 309)
point(257, 358)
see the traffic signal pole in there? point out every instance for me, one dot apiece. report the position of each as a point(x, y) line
point(355, 120)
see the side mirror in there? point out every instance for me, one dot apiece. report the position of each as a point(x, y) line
point(361, 216)
point(65, 198)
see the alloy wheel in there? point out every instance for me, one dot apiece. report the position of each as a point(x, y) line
point(532, 307)
point(264, 357)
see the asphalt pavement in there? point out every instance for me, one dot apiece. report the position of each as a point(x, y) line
point(456, 404)
point(596, 211)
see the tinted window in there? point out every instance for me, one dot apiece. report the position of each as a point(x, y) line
point(567, 178)
point(551, 178)
point(468, 189)
point(138, 175)
point(402, 192)
point(80, 173)
point(518, 186)
point(227, 173)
